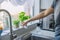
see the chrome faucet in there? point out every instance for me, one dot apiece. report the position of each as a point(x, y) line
point(12, 36)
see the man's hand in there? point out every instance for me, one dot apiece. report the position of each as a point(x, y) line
point(24, 23)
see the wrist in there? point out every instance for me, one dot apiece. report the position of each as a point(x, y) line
point(28, 20)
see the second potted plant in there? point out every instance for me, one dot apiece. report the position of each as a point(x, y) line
point(16, 23)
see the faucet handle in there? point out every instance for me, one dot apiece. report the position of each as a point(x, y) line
point(14, 36)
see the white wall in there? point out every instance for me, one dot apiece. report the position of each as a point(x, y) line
point(46, 3)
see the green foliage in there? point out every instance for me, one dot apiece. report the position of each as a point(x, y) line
point(16, 22)
point(22, 17)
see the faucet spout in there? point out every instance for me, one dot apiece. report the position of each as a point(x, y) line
point(11, 34)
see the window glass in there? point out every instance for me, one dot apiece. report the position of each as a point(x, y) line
point(14, 9)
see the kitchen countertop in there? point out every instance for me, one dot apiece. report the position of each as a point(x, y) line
point(43, 33)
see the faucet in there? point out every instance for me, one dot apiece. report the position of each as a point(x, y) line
point(12, 36)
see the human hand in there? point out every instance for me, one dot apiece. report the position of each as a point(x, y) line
point(24, 23)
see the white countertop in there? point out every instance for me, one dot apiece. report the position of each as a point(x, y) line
point(42, 33)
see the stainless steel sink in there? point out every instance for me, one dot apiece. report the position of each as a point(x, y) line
point(21, 33)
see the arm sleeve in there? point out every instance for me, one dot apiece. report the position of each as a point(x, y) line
point(54, 4)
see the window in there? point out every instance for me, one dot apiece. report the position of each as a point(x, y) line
point(13, 10)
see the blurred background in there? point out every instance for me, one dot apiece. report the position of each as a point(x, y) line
point(42, 29)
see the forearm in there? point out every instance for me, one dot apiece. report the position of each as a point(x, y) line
point(39, 16)
point(42, 14)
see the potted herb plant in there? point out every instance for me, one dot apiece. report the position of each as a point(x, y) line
point(16, 23)
point(23, 17)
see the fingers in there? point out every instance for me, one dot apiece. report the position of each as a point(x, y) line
point(24, 24)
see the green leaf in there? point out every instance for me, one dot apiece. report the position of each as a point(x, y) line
point(16, 22)
point(22, 13)
point(22, 17)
